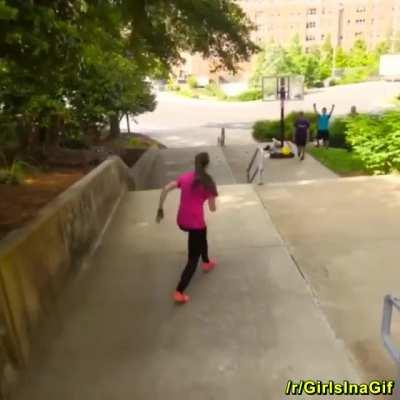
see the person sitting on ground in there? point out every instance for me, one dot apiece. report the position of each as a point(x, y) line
point(353, 111)
point(323, 124)
point(302, 126)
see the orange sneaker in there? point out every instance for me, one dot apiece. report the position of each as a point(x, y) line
point(207, 267)
point(181, 298)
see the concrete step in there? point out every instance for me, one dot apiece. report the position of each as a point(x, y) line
point(252, 324)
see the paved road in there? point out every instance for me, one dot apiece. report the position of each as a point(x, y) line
point(252, 325)
point(180, 122)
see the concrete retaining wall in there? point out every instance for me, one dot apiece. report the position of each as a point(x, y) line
point(149, 171)
point(36, 261)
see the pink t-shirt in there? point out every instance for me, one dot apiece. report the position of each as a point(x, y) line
point(191, 211)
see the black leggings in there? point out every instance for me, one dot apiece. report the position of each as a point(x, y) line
point(197, 246)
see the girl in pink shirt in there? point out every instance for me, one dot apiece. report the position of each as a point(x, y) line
point(196, 187)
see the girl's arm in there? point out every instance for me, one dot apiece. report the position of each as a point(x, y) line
point(212, 204)
point(166, 189)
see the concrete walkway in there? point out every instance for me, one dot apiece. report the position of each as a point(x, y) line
point(344, 235)
point(276, 171)
point(228, 166)
point(252, 324)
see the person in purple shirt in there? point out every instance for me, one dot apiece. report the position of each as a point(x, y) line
point(196, 187)
point(302, 126)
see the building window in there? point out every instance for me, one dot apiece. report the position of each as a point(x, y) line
point(310, 38)
point(361, 9)
point(358, 34)
point(312, 11)
point(311, 25)
point(360, 21)
point(322, 37)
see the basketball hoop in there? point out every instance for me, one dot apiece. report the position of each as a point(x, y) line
point(293, 85)
point(289, 87)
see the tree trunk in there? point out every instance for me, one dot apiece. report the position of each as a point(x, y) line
point(115, 130)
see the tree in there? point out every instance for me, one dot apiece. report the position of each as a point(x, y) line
point(215, 28)
point(88, 60)
point(270, 61)
point(396, 42)
point(359, 56)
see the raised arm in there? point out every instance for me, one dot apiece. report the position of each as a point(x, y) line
point(164, 193)
point(315, 109)
point(332, 110)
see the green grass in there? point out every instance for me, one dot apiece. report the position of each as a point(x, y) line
point(340, 161)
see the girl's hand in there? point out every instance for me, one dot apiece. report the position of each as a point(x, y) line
point(160, 215)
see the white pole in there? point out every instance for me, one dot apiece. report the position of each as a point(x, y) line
point(260, 165)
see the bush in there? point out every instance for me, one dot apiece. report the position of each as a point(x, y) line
point(268, 129)
point(214, 90)
point(338, 133)
point(192, 82)
point(14, 174)
point(293, 116)
point(356, 75)
point(318, 84)
point(376, 139)
point(250, 95)
point(75, 143)
point(264, 131)
point(173, 86)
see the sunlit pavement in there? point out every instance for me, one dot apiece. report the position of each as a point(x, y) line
point(252, 324)
point(181, 122)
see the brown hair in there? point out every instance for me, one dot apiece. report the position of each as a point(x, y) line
point(201, 161)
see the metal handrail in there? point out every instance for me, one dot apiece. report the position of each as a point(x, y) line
point(221, 138)
point(389, 303)
point(260, 167)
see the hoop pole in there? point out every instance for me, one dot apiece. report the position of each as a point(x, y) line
point(282, 96)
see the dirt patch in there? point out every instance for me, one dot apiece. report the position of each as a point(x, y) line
point(20, 203)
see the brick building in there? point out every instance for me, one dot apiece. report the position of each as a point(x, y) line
point(313, 21)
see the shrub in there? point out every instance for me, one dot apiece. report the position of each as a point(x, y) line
point(192, 82)
point(250, 95)
point(75, 142)
point(264, 131)
point(214, 90)
point(338, 133)
point(14, 174)
point(268, 129)
point(318, 84)
point(376, 138)
point(187, 92)
point(293, 116)
point(173, 86)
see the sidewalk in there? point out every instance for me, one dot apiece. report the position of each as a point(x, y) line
point(252, 325)
point(275, 170)
point(344, 235)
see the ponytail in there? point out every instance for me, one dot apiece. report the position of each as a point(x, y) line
point(202, 177)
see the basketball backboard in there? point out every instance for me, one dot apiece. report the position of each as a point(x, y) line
point(292, 84)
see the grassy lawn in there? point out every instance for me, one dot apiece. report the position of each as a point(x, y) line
point(340, 161)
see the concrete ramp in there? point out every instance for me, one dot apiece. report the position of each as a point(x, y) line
point(252, 324)
point(158, 167)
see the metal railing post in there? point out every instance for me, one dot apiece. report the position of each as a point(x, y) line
point(260, 165)
point(388, 304)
